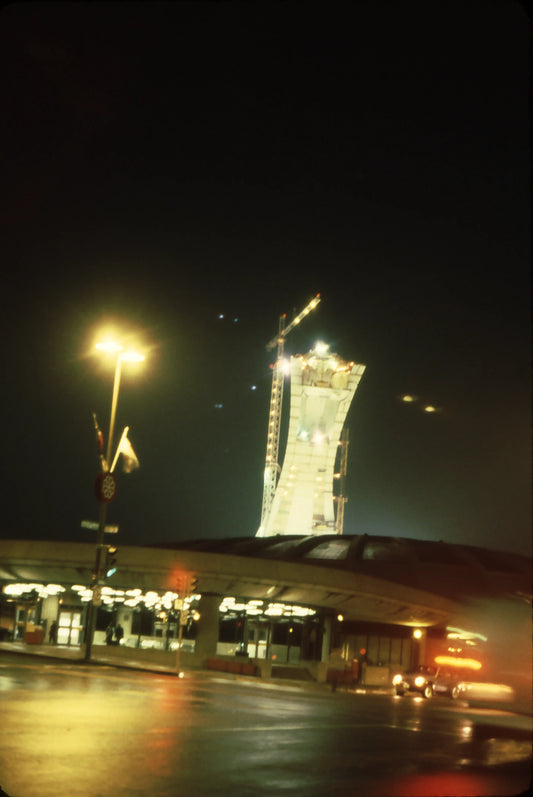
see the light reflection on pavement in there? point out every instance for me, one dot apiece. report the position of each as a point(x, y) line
point(85, 731)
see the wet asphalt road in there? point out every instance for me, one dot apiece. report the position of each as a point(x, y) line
point(73, 730)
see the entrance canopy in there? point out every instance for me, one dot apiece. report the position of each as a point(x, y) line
point(401, 589)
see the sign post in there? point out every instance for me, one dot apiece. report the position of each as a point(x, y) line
point(92, 525)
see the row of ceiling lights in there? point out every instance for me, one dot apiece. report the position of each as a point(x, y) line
point(153, 600)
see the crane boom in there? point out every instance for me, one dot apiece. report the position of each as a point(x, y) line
point(284, 331)
point(272, 467)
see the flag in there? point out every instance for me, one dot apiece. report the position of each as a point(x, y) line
point(99, 443)
point(130, 461)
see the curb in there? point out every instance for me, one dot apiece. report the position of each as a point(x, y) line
point(75, 656)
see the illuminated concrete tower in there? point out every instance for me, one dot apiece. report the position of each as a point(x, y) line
point(322, 389)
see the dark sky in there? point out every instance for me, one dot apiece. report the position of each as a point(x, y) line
point(167, 163)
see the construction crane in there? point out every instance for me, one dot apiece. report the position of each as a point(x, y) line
point(272, 467)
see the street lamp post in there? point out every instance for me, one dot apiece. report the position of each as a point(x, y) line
point(121, 356)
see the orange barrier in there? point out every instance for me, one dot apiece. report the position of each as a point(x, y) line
point(232, 665)
point(35, 637)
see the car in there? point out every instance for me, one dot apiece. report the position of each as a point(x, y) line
point(486, 692)
point(428, 681)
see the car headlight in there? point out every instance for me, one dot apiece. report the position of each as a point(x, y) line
point(397, 679)
point(420, 680)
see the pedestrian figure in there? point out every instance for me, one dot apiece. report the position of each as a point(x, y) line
point(52, 634)
point(119, 633)
point(109, 635)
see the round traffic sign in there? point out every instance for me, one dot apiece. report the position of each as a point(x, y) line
point(105, 487)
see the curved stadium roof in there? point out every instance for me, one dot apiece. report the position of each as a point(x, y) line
point(371, 578)
point(450, 570)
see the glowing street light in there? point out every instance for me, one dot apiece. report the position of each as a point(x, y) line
point(106, 483)
point(108, 345)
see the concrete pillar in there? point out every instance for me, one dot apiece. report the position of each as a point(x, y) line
point(326, 638)
point(207, 628)
point(125, 618)
point(49, 613)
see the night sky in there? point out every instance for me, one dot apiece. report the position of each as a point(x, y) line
point(165, 164)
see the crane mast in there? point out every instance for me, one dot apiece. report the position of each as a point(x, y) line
point(272, 467)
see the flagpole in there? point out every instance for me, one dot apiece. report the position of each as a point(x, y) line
point(95, 601)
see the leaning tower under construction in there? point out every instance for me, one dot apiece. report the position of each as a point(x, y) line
point(322, 388)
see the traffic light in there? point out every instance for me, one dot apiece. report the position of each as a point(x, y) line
point(110, 561)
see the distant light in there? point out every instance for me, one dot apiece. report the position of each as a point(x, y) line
point(218, 406)
point(408, 398)
point(457, 661)
point(235, 320)
point(221, 316)
point(321, 348)
point(254, 387)
point(340, 618)
point(460, 633)
point(430, 408)
point(417, 633)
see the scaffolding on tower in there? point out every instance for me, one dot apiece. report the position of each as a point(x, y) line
point(341, 498)
point(272, 467)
